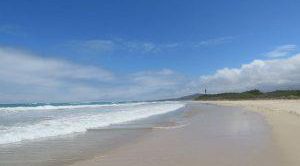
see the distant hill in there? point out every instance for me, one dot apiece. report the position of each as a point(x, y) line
point(190, 97)
point(252, 94)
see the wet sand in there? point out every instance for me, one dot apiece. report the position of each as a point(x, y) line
point(284, 117)
point(67, 149)
point(211, 135)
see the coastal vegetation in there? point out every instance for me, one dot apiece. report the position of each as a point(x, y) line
point(252, 94)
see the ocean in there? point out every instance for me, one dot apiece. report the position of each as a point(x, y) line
point(23, 122)
point(58, 134)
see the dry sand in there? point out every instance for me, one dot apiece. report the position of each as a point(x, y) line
point(284, 117)
point(210, 135)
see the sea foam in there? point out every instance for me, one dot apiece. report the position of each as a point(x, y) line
point(63, 124)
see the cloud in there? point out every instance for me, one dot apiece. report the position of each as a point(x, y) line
point(262, 74)
point(198, 44)
point(16, 65)
point(101, 46)
point(24, 74)
point(160, 84)
point(214, 41)
point(104, 46)
point(157, 79)
point(92, 46)
point(25, 77)
point(281, 51)
point(142, 47)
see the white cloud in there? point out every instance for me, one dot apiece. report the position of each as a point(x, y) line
point(24, 68)
point(25, 77)
point(100, 46)
point(92, 46)
point(157, 79)
point(261, 74)
point(281, 51)
point(214, 41)
point(137, 46)
point(104, 46)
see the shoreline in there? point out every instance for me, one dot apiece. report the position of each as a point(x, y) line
point(284, 118)
point(67, 149)
point(233, 133)
point(212, 135)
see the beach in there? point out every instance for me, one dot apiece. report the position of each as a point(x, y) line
point(149, 83)
point(214, 133)
point(50, 134)
point(284, 118)
point(210, 135)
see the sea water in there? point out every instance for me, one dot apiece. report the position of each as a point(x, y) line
point(59, 134)
point(35, 121)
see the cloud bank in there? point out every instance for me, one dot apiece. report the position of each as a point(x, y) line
point(25, 77)
point(262, 74)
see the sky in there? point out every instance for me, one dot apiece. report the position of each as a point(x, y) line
point(113, 50)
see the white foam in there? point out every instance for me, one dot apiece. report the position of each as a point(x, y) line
point(74, 124)
point(64, 107)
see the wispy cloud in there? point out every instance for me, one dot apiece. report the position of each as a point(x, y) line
point(92, 46)
point(281, 51)
point(199, 44)
point(104, 46)
point(100, 46)
point(143, 47)
point(214, 41)
point(156, 79)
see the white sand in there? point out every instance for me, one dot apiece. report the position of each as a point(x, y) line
point(283, 116)
point(291, 106)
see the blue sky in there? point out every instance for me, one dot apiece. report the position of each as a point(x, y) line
point(161, 45)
